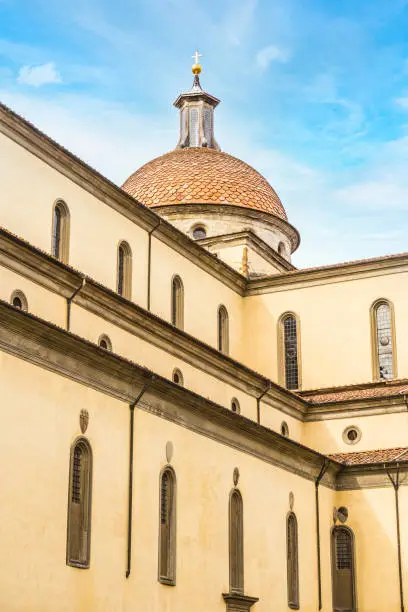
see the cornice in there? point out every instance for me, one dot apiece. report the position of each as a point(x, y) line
point(55, 276)
point(254, 242)
point(371, 406)
point(33, 140)
point(393, 264)
point(63, 280)
point(371, 476)
point(48, 346)
point(45, 345)
point(269, 220)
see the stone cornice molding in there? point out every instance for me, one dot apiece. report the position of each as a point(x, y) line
point(248, 238)
point(45, 345)
point(337, 273)
point(41, 268)
point(267, 219)
point(48, 346)
point(52, 274)
point(33, 140)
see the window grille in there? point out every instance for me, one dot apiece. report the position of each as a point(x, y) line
point(208, 124)
point(236, 544)
point(79, 506)
point(344, 550)
point(194, 127)
point(177, 302)
point(223, 330)
point(292, 561)
point(384, 340)
point(167, 535)
point(290, 342)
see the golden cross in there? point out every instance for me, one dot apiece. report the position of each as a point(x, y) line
point(196, 56)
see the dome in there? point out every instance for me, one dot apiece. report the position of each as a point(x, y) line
point(200, 175)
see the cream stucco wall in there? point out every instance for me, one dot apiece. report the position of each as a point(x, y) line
point(377, 431)
point(335, 335)
point(33, 525)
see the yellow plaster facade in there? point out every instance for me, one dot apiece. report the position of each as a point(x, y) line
point(287, 450)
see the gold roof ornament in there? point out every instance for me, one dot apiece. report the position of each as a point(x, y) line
point(196, 67)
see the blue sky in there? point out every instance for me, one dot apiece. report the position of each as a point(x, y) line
point(314, 95)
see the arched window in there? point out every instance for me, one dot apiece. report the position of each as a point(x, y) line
point(167, 534)
point(292, 556)
point(223, 330)
point(235, 406)
point(105, 342)
point(19, 300)
point(343, 575)
point(236, 542)
point(282, 249)
point(383, 340)
point(177, 302)
point(178, 377)
point(124, 275)
point(79, 504)
point(60, 231)
point(289, 351)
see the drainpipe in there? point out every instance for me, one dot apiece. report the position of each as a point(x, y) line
point(149, 261)
point(69, 301)
point(396, 484)
point(130, 497)
point(258, 403)
point(319, 570)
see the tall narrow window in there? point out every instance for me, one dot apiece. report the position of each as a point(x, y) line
point(292, 561)
point(124, 275)
point(79, 505)
point(194, 127)
point(60, 231)
point(167, 534)
point(236, 542)
point(282, 249)
point(383, 336)
point(223, 330)
point(342, 550)
point(289, 351)
point(177, 302)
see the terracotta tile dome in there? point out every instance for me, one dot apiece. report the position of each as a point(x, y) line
point(201, 176)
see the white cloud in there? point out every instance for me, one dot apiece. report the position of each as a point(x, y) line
point(270, 54)
point(36, 76)
point(402, 102)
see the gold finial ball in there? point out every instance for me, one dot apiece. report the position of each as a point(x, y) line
point(196, 69)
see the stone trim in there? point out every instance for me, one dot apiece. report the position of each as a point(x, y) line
point(33, 140)
point(50, 273)
point(370, 476)
point(238, 602)
point(269, 220)
point(48, 346)
point(251, 240)
point(297, 279)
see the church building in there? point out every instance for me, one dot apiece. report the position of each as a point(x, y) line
point(190, 422)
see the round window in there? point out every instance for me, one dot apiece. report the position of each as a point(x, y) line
point(352, 435)
point(284, 429)
point(199, 232)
